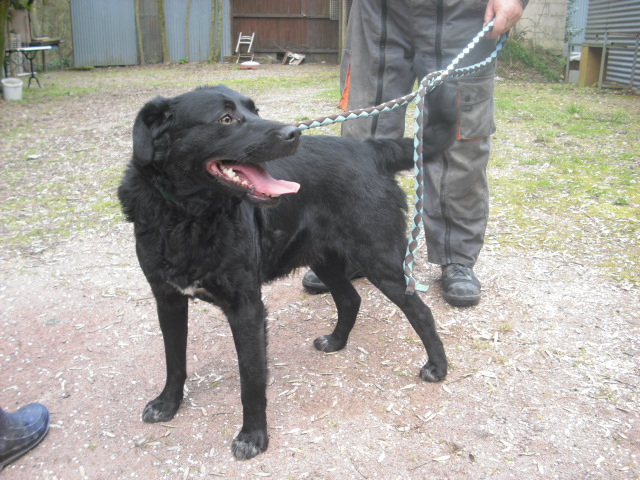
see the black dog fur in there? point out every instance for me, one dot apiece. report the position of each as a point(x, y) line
point(202, 234)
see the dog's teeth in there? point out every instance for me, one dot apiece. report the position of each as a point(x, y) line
point(233, 176)
point(228, 172)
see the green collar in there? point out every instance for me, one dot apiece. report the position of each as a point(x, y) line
point(167, 195)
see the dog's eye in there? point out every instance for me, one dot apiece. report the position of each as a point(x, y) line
point(227, 119)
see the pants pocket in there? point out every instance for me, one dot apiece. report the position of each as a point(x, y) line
point(475, 102)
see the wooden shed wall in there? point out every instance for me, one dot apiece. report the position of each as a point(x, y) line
point(299, 26)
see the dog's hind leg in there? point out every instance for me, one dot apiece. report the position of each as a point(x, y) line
point(173, 317)
point(347, 300)
point(246, 316)
point(421, 319)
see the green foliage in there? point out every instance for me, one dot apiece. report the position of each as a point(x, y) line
point(517, 51)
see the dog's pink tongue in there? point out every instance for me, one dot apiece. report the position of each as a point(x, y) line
point(265, 183)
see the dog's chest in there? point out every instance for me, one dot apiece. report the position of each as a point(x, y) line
point(215, 259)
point(189, 290)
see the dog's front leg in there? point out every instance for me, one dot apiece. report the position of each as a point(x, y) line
point(248, 328)
point(173, 317)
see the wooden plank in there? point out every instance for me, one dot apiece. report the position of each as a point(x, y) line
point(590, 61)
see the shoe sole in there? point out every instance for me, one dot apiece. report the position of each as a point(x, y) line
point(457, 301)
point(314, 289)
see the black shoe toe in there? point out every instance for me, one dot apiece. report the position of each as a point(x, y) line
point(460, 287)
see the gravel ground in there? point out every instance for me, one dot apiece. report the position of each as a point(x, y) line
point(544, 379)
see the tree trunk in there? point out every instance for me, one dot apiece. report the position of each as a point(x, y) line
point(4, 10)
point(139, 34)
point(166, 58)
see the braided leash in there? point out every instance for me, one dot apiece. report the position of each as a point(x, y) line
point(427, 84)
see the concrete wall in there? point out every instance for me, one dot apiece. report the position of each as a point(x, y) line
point(543, 23)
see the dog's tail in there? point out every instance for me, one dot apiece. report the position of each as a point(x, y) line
point(440, 131)
point(393, 156)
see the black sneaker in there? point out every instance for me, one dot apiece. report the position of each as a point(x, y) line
point(460, 286)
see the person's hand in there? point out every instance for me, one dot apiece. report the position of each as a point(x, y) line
point(506, 13)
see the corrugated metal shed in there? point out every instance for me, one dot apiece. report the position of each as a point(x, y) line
point(104, 32)
point(615, 24)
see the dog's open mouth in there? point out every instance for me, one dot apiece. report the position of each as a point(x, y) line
point(250, 178)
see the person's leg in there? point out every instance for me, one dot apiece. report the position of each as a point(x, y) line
point(457, 208)
point(379, 59)
point(456, 181)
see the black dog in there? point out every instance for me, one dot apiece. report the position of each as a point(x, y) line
point(211, 222)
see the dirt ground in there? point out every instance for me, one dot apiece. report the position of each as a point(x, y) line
point(544, 379)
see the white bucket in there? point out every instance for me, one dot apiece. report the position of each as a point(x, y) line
point(12, 88)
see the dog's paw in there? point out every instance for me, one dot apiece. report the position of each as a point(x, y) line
point(159, 411)
point(248, 445)
point(432, 373)
point(328, 343)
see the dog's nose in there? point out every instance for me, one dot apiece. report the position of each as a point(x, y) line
point(289, 133)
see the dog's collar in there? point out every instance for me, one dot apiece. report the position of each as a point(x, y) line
point(167, 195)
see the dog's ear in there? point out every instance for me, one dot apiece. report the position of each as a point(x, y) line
point(149, 128)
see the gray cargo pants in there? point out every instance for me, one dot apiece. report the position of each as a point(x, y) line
point(390, 44)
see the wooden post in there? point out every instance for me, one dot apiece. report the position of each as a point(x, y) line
point(344, 16)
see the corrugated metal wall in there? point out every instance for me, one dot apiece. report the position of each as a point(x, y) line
point(620, 20)
point(104, 32)
point(578, 20)
point(200, 22)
